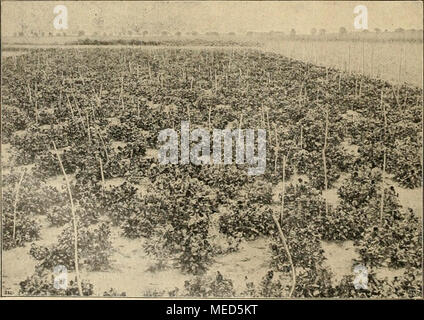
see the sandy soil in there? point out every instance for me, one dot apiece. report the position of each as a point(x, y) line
point(340, 259)
point(131, 269)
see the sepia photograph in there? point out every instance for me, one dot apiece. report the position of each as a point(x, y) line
point(212, 149)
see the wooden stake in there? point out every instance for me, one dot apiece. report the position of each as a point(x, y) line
point(283, 191)
point(102, 175)
point(405, 101)
point(209, 117)
point(276, 149)
point(384, 160)
point(36, 111)
point(301, 137)
point(349, 69)
point(324, 159)
point(267, 121)
point(396, 97)
point(103, 143)
point(15, 204)
point(74, 222)
point(88, 128)
point(284, 241)
point(340, 77)
point(400, 66)
point(30, 95)
point(363, 56)
point(239, 126)
point(356, 87)
point(263, 116)
point(70, 106)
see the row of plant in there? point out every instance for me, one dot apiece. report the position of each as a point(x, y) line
point(100, 112)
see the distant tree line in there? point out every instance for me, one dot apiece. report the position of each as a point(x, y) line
point(315, 33)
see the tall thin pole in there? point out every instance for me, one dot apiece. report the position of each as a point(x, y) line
point(324, 159)
point(284, 241)
point(74, 222)
point(18, 186)
point(102, 175)
point(283, 191)
point(384, 159)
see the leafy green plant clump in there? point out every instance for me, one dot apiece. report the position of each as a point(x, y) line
point(94, 249)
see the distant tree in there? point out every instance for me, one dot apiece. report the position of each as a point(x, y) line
point(178, 34)
point(81, 33)
point(164, 33)
point(145, 33)
point(231, 33)
point(292, 33)
point(194, 33)
point(50, 34)
point(129, 32)
point(377, 30)
point(399, 30)
point(342, 30)
point(313, 31)
point(322, 31)
point(249, 33)
point(95, 33)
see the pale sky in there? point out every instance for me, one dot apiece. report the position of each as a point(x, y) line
point(203, 16)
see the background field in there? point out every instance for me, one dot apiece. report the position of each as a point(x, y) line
point(394, 61)
point(397, 58)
